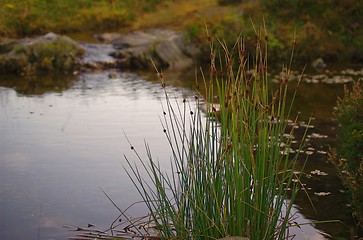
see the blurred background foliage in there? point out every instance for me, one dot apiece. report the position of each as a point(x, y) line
point(330, 29)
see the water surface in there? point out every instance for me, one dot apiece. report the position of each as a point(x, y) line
point(59, 147)
point(63, 140)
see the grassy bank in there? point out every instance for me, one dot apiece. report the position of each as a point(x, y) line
point(327, 29)
point(19, 18)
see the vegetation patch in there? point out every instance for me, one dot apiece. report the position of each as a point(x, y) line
point(23, 18)
point(41, 55)
point(348, 156)
point(323, 28)
point(231, 173)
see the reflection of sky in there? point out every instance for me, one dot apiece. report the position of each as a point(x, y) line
point(304, 230)
point(58, 150)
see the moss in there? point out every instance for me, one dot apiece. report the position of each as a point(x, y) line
point(42, 55)
point(13, 63)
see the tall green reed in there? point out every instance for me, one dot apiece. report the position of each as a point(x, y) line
point(228, 174)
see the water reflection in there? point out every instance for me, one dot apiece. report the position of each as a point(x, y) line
point(38, 85)
point(57, 149)
point(62, 138)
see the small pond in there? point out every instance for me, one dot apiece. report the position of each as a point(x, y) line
point(63, 140)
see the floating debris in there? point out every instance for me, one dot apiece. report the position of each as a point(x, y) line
point(305, 125)
point(317, 135)
point(352, 72)
point(307, 80)
point(322, 194)
point(288, 136)
point(287, 151)
point(318, 172)
point(309, 152)
point(338, 80)
point(321, 152)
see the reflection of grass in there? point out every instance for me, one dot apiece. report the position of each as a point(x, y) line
point(229, 177)
point(349, 157)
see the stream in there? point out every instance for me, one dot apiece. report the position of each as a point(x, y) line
point(63, 143)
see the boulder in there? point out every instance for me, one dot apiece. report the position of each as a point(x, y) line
point(47, 53)
point(168, 49)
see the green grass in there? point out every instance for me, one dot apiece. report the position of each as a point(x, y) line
point(323, 28)
point(23, 18)
point(228, 174)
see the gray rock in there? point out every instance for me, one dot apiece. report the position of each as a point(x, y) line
point(50, 36)
point(168, 49)
point(318, 64)
point(172, 55)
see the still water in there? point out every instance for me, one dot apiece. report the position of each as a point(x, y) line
point(63, 140)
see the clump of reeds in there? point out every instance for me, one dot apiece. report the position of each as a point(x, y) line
point(229, 176)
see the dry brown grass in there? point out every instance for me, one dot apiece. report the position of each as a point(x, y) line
point(181, 14)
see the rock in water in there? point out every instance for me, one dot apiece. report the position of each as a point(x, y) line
point(318, 64)
point(47, 53)
point(166, 48)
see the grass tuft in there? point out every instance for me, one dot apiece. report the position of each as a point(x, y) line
point(229, 176)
